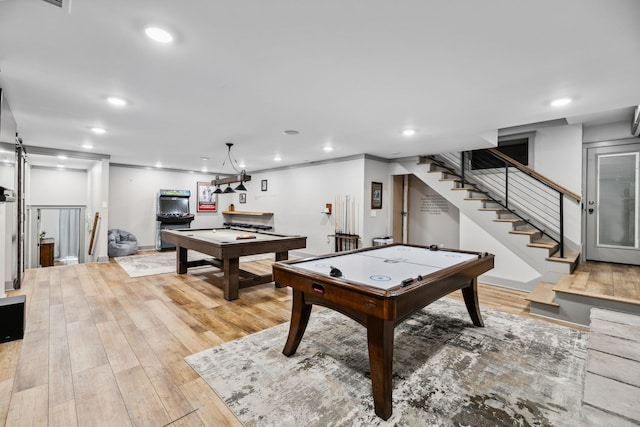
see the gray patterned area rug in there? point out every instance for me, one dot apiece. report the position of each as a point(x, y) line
point(165, 262)
point(446, 372)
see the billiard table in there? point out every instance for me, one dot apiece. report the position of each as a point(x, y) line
point(227, 245)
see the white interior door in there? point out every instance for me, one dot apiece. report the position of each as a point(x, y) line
point(613, 204)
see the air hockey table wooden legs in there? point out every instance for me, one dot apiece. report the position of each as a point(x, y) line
point(380, 334)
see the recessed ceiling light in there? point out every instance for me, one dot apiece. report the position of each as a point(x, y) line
point(408, 132)
point(87, 146)
point(277, 158)
point(60, 166)
point(291, 132)
point(204, 159)
point(158, 164)
point(242, 165)
point(395, 152)
point(204, 169)
point(561, 102)
point(98, 130)
point(327, 148)
point(158, 34)
point(62, 157)
point(118, 102)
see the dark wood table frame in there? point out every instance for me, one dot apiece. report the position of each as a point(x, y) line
point(378, 310)
point(227, 256)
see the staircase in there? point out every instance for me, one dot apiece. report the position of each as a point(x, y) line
point(508, 225)
point(561, 291)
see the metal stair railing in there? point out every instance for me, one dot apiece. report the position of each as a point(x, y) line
point(518, 190)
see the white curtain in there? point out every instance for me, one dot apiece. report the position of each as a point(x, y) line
point(68, 239)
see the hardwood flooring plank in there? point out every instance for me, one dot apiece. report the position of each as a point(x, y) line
point(100, 308)
point(98, 398)
point(33, 363)
point(60, 379)
point(5, 391)
point(147, 358)
point(63, 414)
point(211, 410)
point(9, 357)
point(29, 407)
point(144, 407)
point(121, 356)
point(170, 351)
point(85, 347)
point(174, 401)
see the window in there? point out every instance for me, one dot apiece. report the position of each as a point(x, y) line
point(517, 147)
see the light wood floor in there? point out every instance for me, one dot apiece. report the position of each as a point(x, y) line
point(102, 348)
point(605, 280)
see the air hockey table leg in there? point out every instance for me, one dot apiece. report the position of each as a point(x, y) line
point(380, 342)
point(470, 295)
point(300, 313)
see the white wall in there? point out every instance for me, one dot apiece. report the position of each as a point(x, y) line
point(376, 222)
point(507, 265)
point(57, 187)
point(98, 201)
point(432, 219)
point(7, 175)
point(133, 194)
point(298, 195)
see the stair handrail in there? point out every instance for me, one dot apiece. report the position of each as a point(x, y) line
point(509, 162)
point(537, 176)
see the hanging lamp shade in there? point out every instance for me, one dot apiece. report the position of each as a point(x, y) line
point(228, 189)
point(217, 190)
point(241, 187)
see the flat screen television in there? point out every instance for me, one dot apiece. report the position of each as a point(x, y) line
point(174, 205)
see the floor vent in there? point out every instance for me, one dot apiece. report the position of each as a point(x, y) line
point(55, 2)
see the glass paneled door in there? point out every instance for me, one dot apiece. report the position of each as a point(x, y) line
point(612, 205)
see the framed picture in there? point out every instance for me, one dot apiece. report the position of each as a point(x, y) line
point(264, 185)
point(376, 195)
point(207, 199)
point(243, 197)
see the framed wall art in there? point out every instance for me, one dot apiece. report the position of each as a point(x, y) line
point(376, 195)
point(207, 199)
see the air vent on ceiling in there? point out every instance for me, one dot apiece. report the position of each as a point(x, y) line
point(55, 2)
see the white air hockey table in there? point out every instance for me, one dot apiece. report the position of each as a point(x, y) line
point(379, 287)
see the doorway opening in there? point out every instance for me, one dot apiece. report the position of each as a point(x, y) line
point(59, 226)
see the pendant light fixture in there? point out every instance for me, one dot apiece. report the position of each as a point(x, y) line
point(242, 177)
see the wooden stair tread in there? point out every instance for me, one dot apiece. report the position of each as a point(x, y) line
point(564, 282)
point(543, 243)
point(569, 257)
point(544, 294)
point(513, 220)
point(481, 199)
point(494, 209)
point(531, 232)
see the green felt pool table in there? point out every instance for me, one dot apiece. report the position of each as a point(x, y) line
point(226, 246)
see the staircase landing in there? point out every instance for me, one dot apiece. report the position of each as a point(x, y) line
point(592, 284)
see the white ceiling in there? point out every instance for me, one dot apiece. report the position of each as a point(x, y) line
point(350, 74)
